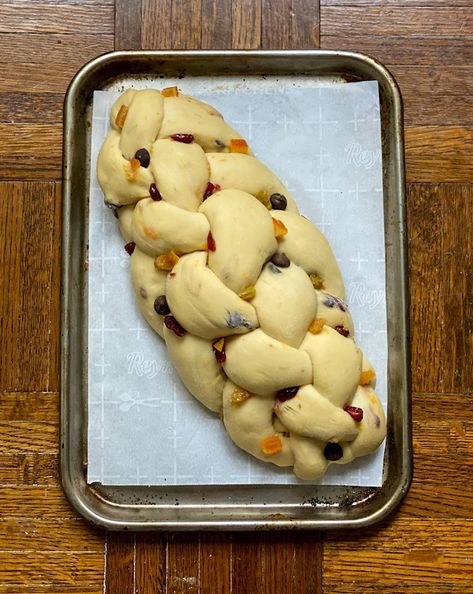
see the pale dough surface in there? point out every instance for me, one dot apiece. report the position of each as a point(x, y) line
point(245, 291)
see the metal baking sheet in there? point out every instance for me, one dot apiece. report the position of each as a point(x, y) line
point(228, 507)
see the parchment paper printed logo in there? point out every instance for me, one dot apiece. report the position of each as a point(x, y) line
point(364, 297)
point(150, 368)
point(359, 157)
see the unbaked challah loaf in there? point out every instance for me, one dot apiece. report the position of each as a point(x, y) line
point(244, 290)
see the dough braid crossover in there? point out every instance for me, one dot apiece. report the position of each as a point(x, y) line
point(245, 291)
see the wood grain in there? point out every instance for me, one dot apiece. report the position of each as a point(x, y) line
point(216, 24)
point(215, 563)
point(416, 21)
point(156, 24)
point(120, 576)
point(127, 24)
point(56, 18)
point(246, 24)
point(150, 564)
point(26, 229)
point(290, 24)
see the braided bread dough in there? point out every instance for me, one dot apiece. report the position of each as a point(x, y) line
point(244, 290)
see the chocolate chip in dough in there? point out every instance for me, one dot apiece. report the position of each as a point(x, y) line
point(281, 260)
point(161, 306)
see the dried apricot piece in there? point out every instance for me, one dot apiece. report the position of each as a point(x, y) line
point(280, 229)
point(121, 116)
point(271, 445)
point(166, 261)
point(317, 325)
point(170, 92)
point(238, 145)
point(367, 377)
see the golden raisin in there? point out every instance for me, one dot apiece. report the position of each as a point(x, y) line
point(170, 92)
point(238, 145)
point(121, 116)
point(367, 377)
point(280, 229)
point(263, 197)
point(317, 325)
point(239, 395)
point(316, 281)
point(166, 261)
point(248, 293)
point(271, 445)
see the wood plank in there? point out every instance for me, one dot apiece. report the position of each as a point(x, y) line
point(412, 21)
point(56, 18)
point(183, 564)
point(156, 24)
point(51, 589)
point(31, 406)
point(439, 153)
point(26, 216)
point(424, 218)
point(186, 24)
point(127, 24)
point(246, 24)
point(457, 280)
point(308, 563)
point(34, 78)
point(40, 568)
point(455, 407)
point(23, 107)
point(50, 535)
point(399, 50)
point(441, 80)
point(215, 563)
point(425, 567)
point(34, 502)
point(435, 501)
point(454, 437)
point(401, 534)
point(216, 24)
point(438, 110)
point(30, 151)
point(439, 587)
point(423, 3)
point(54, 48)
point(27, 436)
point(29, 469)
point(247, 565)
point(54, 358)
point(150, 575)
point(287, 24)
point(120, 560)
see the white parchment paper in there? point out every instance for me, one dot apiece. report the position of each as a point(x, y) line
point(324, 142)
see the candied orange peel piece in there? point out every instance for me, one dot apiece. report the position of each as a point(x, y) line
point(271, 445)
point(280, 229)
point(317, 325)
point(134, 164)
point(367, 377)
point(239, 395)
point(316, 281)
point(248, 293)
point(166, 261)
point(218, 346)
point(170, 92)
point(121, 116)
point(238, 145)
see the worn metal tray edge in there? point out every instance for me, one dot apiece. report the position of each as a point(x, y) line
point(89, 502)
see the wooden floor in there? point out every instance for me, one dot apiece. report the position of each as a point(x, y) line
point(427, 546)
